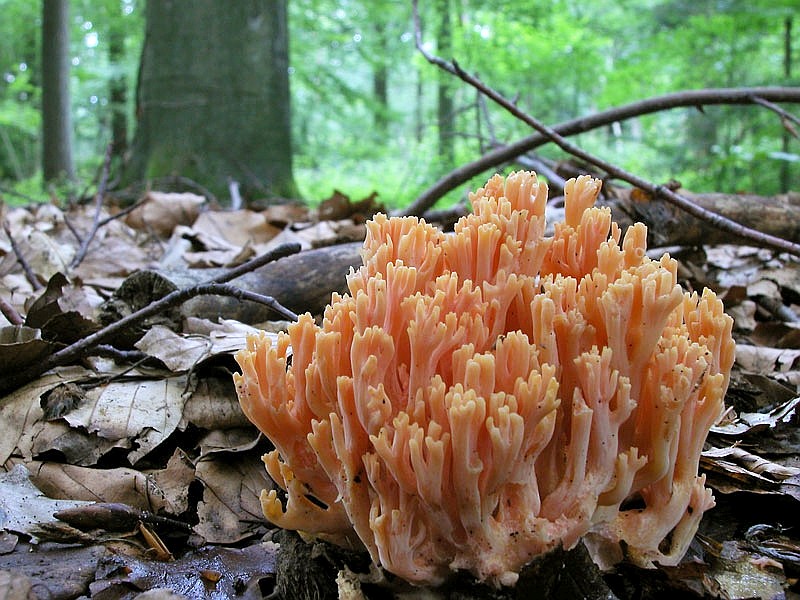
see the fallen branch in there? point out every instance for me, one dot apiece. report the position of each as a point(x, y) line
point(77, 350)
point(612, 169)
point(509, 152)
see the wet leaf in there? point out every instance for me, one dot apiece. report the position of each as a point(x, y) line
point(207, 573)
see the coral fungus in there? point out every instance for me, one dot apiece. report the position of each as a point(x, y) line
point(481, 397)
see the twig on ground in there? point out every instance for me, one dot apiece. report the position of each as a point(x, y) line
point(114, 353)
point(26, 267)
point(217, 287)
point(98, 204)
point(654, 189)
point(10, 313)
point(125, 211)
point(254, 263)
point(76, 234)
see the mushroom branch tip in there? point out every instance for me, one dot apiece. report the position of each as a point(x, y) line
point(482, 397)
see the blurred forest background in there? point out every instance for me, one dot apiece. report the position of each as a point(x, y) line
point(369, 114)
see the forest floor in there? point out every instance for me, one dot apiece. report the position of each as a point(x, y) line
point(140, 447)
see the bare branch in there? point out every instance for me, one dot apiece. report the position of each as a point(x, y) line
point(98, 203)
point(612, 169)
point(26, 267)
point(10, 313)
point(787, 118)
point(509, 152)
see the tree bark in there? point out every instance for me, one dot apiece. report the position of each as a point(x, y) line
point(787, 72)
point(380, 79)
point(669, 226)
point(213, 96)
point(56, 112)
point(118, 93)
point(445, 110)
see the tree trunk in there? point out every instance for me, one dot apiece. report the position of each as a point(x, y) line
point(446, 116)
point(56, 113)
point(118, 92)
point(787, 72)
point(380, 79)
point(213, 96)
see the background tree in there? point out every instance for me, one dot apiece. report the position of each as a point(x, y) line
point(213, 96)
point(365, 104)
point(56, 112)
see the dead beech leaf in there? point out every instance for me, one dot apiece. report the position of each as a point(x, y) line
point(229, 441)
point(752, 462)
point(21, 346)
point(44, 254)
point(21, 409)
point(214, 405)
point(160, 212)
point(281, 215)
point(146, 412)
point(23, 506)
point(16, 290)
point(15, 586)
point(76, 445)
point(203, 339)
point(236, 227)
point(210, 250)
point(782, 363)
point(58, 323)
point(113, 255)
point(173, 481)
point(121, 485)
point(231, 509)
point(747, 423)
point(228, 335)
point(178, 352)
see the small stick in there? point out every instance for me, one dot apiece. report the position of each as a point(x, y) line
point(98, 207)
point(10, 313)
point(26, 267)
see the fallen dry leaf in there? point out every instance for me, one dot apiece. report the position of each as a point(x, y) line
point(144, 411)
point(120, 485)
point(215, 573)
point(23, 507)
point(749, 423)
point(161, 212)
point(178, 352)
point(236, 227)
point(214, 405)
point(230, 510)
point(21, 410)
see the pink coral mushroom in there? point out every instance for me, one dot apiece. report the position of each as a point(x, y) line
point(482, 397)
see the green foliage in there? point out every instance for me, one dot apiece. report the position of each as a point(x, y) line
point(93, 21)
point(559, 59)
